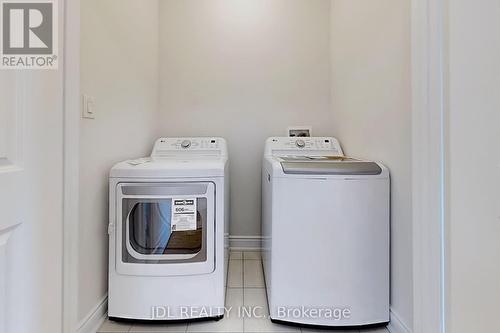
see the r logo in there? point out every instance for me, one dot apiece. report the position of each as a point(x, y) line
point(27, 28)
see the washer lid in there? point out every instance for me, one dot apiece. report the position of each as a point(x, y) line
point(328, 166)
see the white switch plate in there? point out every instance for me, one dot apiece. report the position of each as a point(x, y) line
point(88, 107)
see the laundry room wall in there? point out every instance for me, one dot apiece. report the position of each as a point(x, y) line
point(371, 106)
point(473, 167)
point(244, 70)
point(119, 68)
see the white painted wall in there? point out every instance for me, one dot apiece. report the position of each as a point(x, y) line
point(119, 67)
point(473, 176)
point(244, 70)
point(371, 106)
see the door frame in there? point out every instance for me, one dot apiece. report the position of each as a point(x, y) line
point(429, 103)
point(71, 161)
point(428, 163)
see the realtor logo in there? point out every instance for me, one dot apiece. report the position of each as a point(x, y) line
point(29, 39)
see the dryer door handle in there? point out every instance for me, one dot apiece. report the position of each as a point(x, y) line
point(111, 228)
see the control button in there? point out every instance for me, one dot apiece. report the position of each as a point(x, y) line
point(300, 143)
point(186, 144)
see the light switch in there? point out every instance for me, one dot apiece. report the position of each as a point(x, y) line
point(88, 110)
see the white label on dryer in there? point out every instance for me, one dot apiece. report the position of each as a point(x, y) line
point(183, 214)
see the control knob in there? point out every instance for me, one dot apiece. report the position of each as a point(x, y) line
point(300, 143)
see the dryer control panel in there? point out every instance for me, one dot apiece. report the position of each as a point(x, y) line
point(208, 146)
point(313, 146)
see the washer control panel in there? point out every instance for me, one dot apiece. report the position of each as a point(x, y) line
point(300, 143)
point(186, 144)
point(175, 146)
point(303, 146)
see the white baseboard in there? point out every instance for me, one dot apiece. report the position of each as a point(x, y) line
point(396, 325)
point(241, 243)
point(95, 318)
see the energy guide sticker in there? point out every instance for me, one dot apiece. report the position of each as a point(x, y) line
point(184, 214)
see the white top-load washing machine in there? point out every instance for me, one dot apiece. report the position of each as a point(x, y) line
point(325, 234)
point(168, 232)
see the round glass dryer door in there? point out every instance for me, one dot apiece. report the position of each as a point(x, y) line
point(160, 226)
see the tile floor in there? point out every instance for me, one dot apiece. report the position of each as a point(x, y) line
point(245, 287)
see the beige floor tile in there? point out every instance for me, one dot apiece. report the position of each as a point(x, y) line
point(251, 255)
point(113, 327)
point(236, 255)
point(234, 300)
point(254, 325)
point(253, 275)
point(235, 274)
point(226, 325)
point(159, 328)
point(231, 322)
point(255, 297)
point(257, 318)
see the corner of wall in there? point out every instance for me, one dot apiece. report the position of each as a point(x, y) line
point(94, 319)
point(397, 325)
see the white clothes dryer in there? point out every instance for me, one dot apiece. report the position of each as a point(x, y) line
point(168, 232)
